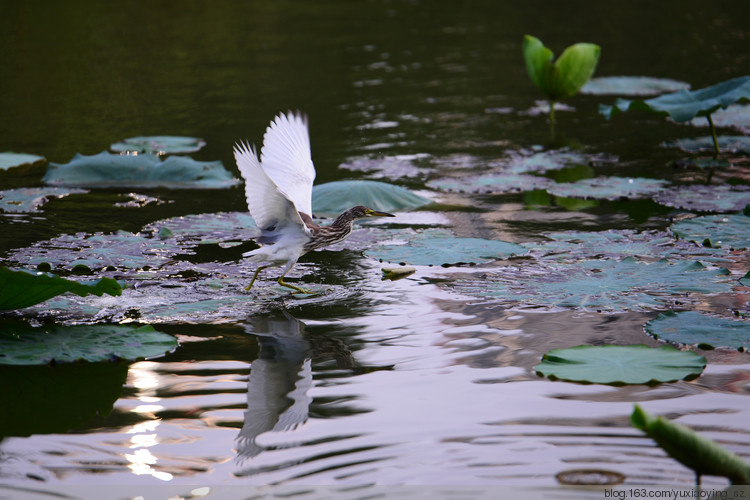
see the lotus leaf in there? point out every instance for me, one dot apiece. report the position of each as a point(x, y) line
point(144, 171)
point(608, 188)
point(564, 77)
point(388, 167)
point(620, 364)
point(691, 449)
point(632, 86)
point(27, 200)
point(544, 161)
point(730, 143)
point(737, 116)
point(685, 105)
point(732, 231)
point(691, 327)
point(705, 198)
point(333, 198)
point(19, 289)
point(435, 247)
point(159, 145)
point(66, 344)
point(11, 160)
point(496, 183)
point(628, 284)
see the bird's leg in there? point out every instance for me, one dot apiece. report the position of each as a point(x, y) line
point(293, 287)
point(257, 271)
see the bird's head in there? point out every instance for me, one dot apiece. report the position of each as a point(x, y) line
point(360, 212)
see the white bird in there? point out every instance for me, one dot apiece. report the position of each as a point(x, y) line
point(279, 196)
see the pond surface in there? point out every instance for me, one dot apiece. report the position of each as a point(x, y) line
point(425, 380)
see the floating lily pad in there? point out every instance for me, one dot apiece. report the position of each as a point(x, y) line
point(211, 227)
point(731, 231)
point(706, 198)
point(608, 188)
point(618, 365)
point(524, 162)
point(737, 117)
point(159, 145)
point(495, 183)
point(11, 160)
point(632, 86)
point(685, 105)
point(27, 200)
point(730, 143)
point(109, 170)
point(66, 344)
point(19, 289)
point(691, 327)
point(435, 247)
point(625, 285)
point(388, 167)
point(337, 197)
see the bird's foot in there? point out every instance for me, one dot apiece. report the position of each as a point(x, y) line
point(293, 287)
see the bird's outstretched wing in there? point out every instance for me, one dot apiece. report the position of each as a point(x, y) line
point(286, 159)
point(270, 209)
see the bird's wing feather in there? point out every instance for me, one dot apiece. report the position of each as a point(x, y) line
point(268, 206)
point(286, 159)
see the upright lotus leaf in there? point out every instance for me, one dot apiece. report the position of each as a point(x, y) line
point(19, 289)
point(67, 344)
point(620, 364)
point(564, 77)
point(336, 197)
point(694, 328)
point(731, 231)
point(691, 449)
point(440, 248)
point(685, 105)
point(159, 145)
point(144, 171)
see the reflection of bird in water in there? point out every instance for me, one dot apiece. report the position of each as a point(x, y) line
point(279, 196)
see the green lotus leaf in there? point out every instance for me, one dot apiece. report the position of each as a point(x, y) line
point(691, 449)
point(144, 171)
point(336, 197)
point(564, 77)
point(730, 143)
point(51, 399)
point(28, 345)
point(28, 200)
point(706, 198)
point(632, 86)
point(608, 188)
point(159, 145)
point(691, 327)
point(19, 289)
point(552, 160)
point(435, 247)
point(625, 285)
point(730, 231)
point(620, 364)
point(685, 105)
point(11, 160)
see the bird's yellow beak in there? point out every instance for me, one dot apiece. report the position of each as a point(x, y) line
point(375, 213)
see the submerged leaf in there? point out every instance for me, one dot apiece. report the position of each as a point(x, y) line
point(691, 449)
point(109, 170)
point(334, 198)
point(19, 289)
point(615, 364)
point(66, 344)
point(159, 145)
point(632, 86)
point(691, 327)
point(440, 248)
point(685, 105)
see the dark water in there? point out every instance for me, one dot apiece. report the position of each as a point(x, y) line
point(386, 383)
